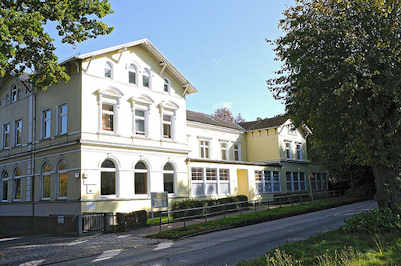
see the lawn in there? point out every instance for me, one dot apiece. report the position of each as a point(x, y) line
point(252, 218)
point(336, 248)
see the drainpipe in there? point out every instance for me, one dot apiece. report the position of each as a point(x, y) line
point(33, 154)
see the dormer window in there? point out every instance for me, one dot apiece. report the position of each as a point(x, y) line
point(132, 74)
point(166, 86)
point(108, 70)
point(146, 78)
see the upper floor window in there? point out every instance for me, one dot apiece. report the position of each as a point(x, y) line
point(108, 178)
point(46, 124)
point(17, 184)
point(4, 181)
point(140, 120)
point(288, 154)
point(46, 181)
point(146, 78)
point(204, 149)
point(6, 136)
point(108, 70)
point(62, 119)
point(299, 151)
point(223, 151)
point(132, 74)
point(18, 132)
point(107, 117)
point(291, 130)
point(166, 86)
point(14, 94)
point(167, 124)
point(168, 178)
point(237, 152)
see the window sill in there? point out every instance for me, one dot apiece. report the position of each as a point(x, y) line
point(170, 140)
point(62, 198)
point(140, 137)
point(45, 199)
point(17, 200)
point(108, 133)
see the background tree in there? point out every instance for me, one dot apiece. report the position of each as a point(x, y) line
point(25, 45)
point(223, 114)
point(341, 76)
point(239, 119)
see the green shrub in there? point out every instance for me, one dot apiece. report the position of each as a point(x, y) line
point(197, 203)
point(373, 221)
point(132, 220)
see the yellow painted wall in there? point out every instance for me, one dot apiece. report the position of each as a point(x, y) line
point(262, 145)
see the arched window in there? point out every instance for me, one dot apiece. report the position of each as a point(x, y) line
point(168, 178)
point(108, 178)
point(4, 181)
point(61, 180)
point(46, 181)
point(141, 178)
point(132, 74)
point(146, 78)
point(17, 184)
point(108, 70)
point(166, 86)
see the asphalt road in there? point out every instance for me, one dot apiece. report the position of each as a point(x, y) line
point(230, 246)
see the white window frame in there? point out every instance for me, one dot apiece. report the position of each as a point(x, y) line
point(46, 123)
point(108, 66)
point(144, 119)
point(6, 133)
point(147, 172)
point(167, 122)
point(173, 172)
point(61, 116)
point(213, 182)
point(18, 132)
point(167, 82)
point(299, 152)
point(202, 181)
point(237, 150)
point(116, 181)
point(3, 180)
point(147, 72)
point(264, 181)
point(14, 94)
point(224, 149)
point(133, 67)
point(220, 181)
point(204, 144)
point(288, 150)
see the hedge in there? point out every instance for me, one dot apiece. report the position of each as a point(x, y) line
point(132, 220)
point(197, 203)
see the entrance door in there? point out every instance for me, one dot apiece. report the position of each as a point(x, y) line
point(243, 184)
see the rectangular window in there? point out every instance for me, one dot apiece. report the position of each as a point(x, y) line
point(224, 178)
point(14, 95)
point(223, 151)
point(288, 150)
point(18, 132)
point(5, 190)
point(204, 149)
point(62, 185)
point(318, 182)
point(140, 122)
point(258, 181)
point(211, 181)
point(146, 80)
point(197, 181)
point(313, 182)
point(302, 181)
point(167, 121)
point(289, 182)
point(17, 189)
point(6, 136)
point(46, 186)
point(299, 152)
point(46, 124)
point(108, 117)
point(62, 119)
point(276, 181)
point(132, 77)
point(324, 181)
point(236, 152)
point(268, 182)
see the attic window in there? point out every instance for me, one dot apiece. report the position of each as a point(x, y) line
point(132, 74)
point(14, 94)
point(108, 70)
point(166, 86)
point(146, 78)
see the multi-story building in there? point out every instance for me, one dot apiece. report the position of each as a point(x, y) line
point(119, 129)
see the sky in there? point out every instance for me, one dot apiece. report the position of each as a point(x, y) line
point(218, 45)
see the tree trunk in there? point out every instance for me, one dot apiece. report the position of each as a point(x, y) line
point(388, 188)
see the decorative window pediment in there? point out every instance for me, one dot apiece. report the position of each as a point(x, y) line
point(168, 105)
point(143, 99)
point(110, 92)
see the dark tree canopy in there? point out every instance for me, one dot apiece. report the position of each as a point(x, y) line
point(223, 114)
point(341, 75)
point(25, 45)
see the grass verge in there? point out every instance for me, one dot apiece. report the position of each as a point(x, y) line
point(252, 218)
point(156, 220)
point(336, 248)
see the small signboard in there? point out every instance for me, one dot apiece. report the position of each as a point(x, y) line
point(159, 201)
point(60, 219)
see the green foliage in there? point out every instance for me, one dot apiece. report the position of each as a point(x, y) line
point(197, 203)
point(132, 220)
point(374, 221)
point(27, 47)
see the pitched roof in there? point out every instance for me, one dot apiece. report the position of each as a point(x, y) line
point(208, 119)
point(275, 121)
point(189, 88)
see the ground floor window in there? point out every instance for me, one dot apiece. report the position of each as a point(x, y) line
point(319, 182)
point(4, 181)
point(141, 178)
point(108, 178)
point(168, 178)
point(17, 184)
point(295, 181)
point(46, 181)
point(267, 181)
point(210, 181)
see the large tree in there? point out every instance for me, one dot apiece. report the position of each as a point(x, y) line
point(341, 75)
point(25, 46)
point(223, 114)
